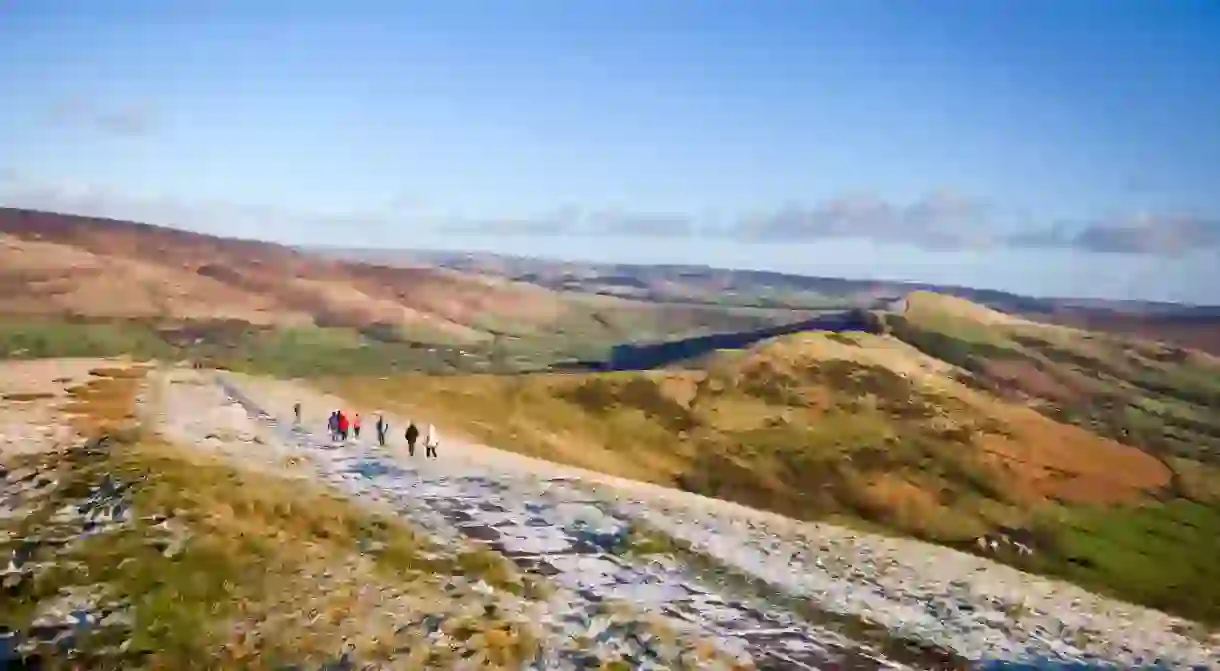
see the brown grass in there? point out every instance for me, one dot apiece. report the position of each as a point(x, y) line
point(806, 425)
point(1201, 334)
point(104, 405)
point(270, 571)
point(52, 264)
point(1024, 375)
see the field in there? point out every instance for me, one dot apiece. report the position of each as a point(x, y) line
point(309, 351)
point(960, 422)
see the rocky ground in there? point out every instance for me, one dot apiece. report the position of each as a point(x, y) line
point(574, 569)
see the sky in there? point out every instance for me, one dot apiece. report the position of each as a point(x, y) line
point(1049, 147)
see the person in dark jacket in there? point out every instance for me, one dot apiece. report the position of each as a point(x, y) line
point(332, 425)
point(382, 429)
point(411, 435)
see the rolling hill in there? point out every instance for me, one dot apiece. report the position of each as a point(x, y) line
point(1186, 325)
point(954, 422)
point(242, 302)
point(107, 268)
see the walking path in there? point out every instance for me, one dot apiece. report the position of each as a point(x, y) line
point(554, 528)
point(951, 605)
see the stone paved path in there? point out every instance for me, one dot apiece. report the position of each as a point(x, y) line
point(551, 527)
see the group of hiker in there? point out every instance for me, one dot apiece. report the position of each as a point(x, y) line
point(341, 426)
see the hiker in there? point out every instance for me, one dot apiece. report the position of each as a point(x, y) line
point(356, 426)
point(431, 440)
point(343, 426)
point(411, 435)
point(382, 429)
point(332, 425)
point(296, 411)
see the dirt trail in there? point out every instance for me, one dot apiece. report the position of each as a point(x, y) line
point(548, 525)
point(278, 397)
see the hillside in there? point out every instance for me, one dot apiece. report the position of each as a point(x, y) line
point(1197, 328)
point(244, 302)
point(158, 517)
point(683, 283)
point(959, 422)
point(1160, 397)
point(1188, 326)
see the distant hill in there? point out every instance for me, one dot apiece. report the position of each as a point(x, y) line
point(106, 268)
point(250, 301)
point(1187, 325)
point(951, 422)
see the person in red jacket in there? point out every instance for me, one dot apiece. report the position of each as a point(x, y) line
point(343, 426)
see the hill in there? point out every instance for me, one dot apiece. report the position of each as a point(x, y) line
point(958, 421)
point(85, 286)
point(1188, 326)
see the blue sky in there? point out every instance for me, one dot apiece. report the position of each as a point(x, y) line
point(1045, 146)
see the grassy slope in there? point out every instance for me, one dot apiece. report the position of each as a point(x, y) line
point(229, 596)
point(1160, 397)
point(589, 331)
point(870, 429)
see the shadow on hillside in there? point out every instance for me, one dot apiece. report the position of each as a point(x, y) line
point(635, 357)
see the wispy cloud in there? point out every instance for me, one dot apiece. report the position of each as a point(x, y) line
point(940, 219)
point(124, 121)
point(1159, 234)
point(578, 221)
point(506, 226)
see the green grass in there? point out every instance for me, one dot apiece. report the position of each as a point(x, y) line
point(586, 331)
point(299, 352)
point(1161, 554)
point(40, 338)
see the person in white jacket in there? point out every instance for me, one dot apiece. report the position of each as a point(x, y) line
point(431, 440)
